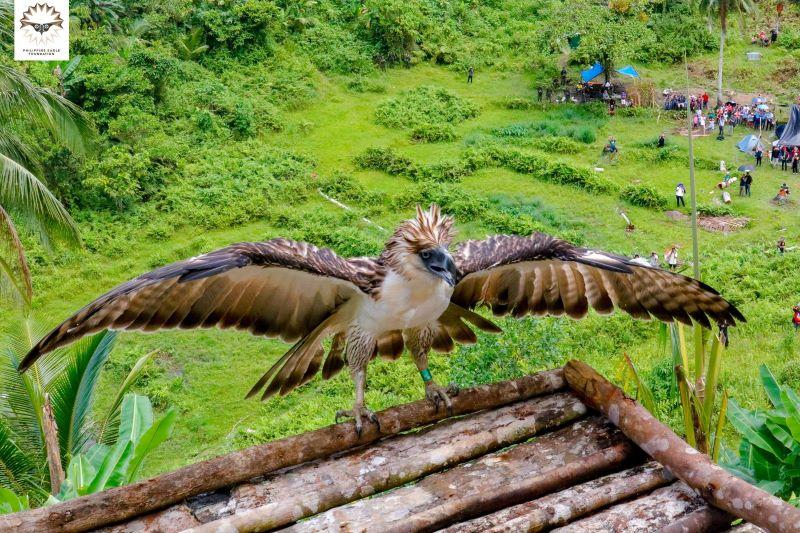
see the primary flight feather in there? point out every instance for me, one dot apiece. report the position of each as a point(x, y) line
point(415, 295)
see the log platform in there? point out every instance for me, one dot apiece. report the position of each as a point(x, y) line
point(561, 450)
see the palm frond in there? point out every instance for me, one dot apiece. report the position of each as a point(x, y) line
point(17, 149)
point(23, 193)
point(6, 19)
point(15, 276)
point(22, 100)
point(18, 470)
point(73, 391)
point(23, 394)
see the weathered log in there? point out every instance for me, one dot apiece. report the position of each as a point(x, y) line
point(706, 518)
point(717, 486)
point(643, 515)
point(563, 507)
point(583, 450)
point(288, 496)
point(176, 518)
point(139, 498)
point(51, 445)
point(745, 528)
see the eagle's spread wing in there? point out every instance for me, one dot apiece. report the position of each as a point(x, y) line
point(543, 275)
point(274, 288)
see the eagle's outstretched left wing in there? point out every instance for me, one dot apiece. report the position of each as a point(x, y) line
point(543, 275)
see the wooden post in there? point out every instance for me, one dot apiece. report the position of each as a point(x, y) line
point(52, 447)
point(717, 486)
point(102, 508)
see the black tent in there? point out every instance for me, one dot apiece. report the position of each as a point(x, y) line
point(791, 133)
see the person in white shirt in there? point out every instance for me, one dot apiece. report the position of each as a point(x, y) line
point(672, 257)
point(680, 192)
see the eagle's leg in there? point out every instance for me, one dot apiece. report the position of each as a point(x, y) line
point(419, 343)
point(357, 362)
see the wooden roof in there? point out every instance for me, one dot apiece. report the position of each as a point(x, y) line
point(527, 454)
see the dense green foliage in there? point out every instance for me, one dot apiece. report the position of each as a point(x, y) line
point(219, 122)
point(769, 452)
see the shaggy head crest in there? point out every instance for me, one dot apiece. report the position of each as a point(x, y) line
point(429, 229)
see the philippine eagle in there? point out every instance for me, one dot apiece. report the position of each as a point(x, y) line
point(415, 294)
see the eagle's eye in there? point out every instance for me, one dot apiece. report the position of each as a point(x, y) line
point(425, 254)
point(37, 27)
point(46, 27)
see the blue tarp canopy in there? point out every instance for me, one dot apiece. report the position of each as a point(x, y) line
point(592, 72)
point(628, 71)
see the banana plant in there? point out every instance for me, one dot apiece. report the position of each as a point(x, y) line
point(102, 466)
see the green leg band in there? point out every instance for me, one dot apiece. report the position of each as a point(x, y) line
point(426, 375)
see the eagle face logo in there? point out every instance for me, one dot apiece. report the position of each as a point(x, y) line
point(44, 20)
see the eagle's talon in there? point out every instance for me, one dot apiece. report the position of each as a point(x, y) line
point(357, 413)
point(440, 395)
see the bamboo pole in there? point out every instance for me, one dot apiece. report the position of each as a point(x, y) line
point(309, 489)
point(566, 506)
point(115, 505)
point(51, 445)
point(583, 450)
point(717, 486)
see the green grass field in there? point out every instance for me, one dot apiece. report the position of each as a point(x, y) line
point(206, 374)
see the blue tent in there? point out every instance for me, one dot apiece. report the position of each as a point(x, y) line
point(748, 144)
point(628, 71)
point(592, 72)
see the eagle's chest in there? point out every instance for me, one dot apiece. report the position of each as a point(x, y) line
point(405, 303)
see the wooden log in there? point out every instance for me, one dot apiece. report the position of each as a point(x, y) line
point(117, 504)
point(582, 450)
point(717, 486)
point(705, 519)
point(745, 528)
point(643, 515)
point(288, 496)
point(176, 518)
point(570, 504)
point(51, 445)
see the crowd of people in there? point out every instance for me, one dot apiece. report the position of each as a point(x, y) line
point(757, 114)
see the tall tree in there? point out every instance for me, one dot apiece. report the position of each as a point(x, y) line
point(720, 9)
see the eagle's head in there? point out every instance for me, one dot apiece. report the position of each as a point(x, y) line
point(419, 246)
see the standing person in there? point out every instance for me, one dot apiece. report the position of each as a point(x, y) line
point(539, 92)
point(672, 257)
point(782, 245)
point(759, 154)
point(748, 180)
point(796, 317)
point(795, 160)
point(470, 74)
point(661, 141)
point(705, 100)
point(680, 192)
point(563, 75)
point(653, 260)
point(784, 158)
point(774, 155)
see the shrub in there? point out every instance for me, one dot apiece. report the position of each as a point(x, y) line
point(433, 133)
point(644, 196)
point(554, 172)
point(345, 188)
point(387, 160)
point(519, 103)
point(557, 144)
point(513, 130)
point(706, 210)
point(447, 171)
point(424, 104)
point(333, 49)
point(361, 84)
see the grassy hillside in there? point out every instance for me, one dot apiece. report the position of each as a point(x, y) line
point(233, 145)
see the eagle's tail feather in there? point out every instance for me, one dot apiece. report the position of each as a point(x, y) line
point(299, 365)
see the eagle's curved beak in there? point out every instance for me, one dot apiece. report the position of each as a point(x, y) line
point(440, 263)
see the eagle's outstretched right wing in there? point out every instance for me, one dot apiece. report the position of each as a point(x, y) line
point(543, 275)
point(277, 288)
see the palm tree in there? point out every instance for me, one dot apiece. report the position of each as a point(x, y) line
point(70, 378)
point(23, 196)
point(721, 9)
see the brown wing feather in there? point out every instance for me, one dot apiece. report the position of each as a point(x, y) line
point(542, 275)
point(277, 288)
